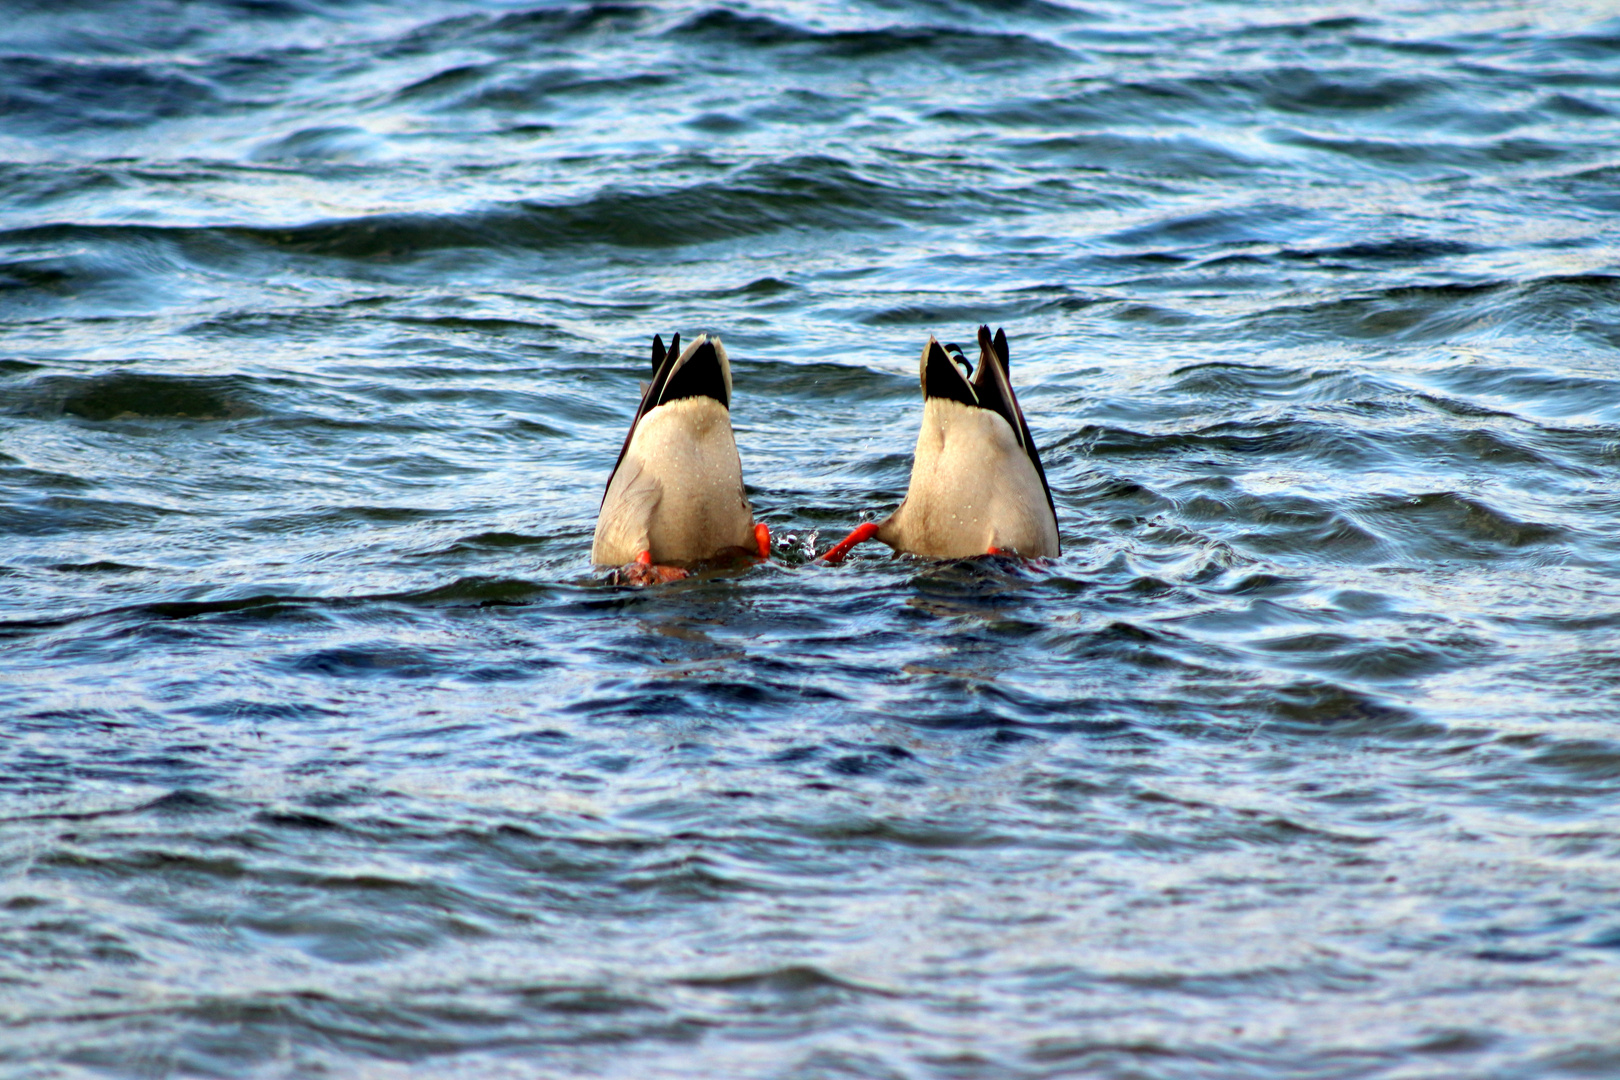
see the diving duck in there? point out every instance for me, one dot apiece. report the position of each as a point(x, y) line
point(977, 485)
point(676, 496)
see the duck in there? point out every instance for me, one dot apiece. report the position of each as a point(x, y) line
point(675, 496)
point(977, 483)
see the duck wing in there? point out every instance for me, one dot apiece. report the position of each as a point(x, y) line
point(993, 383)
point(663, 362)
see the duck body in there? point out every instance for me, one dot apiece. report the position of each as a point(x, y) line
point(676, 493)
point(977, 485)
point(973, 490)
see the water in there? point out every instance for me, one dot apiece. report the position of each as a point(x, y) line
point(325, 751)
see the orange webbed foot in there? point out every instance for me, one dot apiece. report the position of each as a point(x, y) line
point(646, 572)
point(762, 539)
point(836, 553)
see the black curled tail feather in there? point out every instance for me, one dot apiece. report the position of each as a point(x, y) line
point(941, 378)
point(698, 375)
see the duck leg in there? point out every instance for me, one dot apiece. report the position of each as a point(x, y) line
point(646, 572)
point(836, 553)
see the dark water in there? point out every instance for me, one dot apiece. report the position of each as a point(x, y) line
point(325, 752)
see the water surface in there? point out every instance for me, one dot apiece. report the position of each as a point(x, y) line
point(326, 752)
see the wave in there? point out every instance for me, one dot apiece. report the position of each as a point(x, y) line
point(953, 46)
point(1444, 312)
point(520, 32)
point(802, 193)
point(133, 395)
point(46, 96)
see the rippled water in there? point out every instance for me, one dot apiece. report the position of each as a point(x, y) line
point(326, 752)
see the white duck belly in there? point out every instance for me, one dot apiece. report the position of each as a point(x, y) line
point(678, 493)
point(972, 489)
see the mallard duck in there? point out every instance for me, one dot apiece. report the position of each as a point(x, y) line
point(676, 493)
point(977, 485)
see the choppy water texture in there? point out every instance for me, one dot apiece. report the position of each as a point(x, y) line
point(324, 751)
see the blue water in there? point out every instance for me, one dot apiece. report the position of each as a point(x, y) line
point(325, 751)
